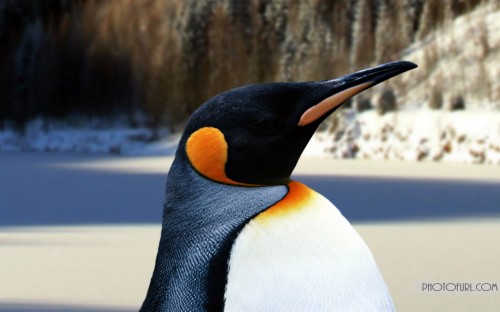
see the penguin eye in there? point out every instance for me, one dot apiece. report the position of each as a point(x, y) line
point(267, 125)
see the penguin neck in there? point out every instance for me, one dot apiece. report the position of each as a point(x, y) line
point(201, 220)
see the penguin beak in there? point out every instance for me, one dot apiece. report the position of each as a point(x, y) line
point(348, 86)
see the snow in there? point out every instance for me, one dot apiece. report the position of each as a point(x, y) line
point(413, 135)
point(98, 137)
point(450, 63)
point(460, 58)
point(466, 136)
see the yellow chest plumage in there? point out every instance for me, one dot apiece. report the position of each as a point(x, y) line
point(301, 254)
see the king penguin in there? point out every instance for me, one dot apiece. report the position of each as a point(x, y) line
point(238, 234)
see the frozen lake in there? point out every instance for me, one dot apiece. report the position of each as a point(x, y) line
point(69, 189)
point(80, 232)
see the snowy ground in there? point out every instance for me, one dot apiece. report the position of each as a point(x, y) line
point(413, 135)
point(79, 232)
point(460, 58)
point(97, 137)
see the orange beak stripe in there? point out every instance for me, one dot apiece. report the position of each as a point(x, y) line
point(320, 109)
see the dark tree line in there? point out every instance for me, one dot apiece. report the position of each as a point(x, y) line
point(165, 57)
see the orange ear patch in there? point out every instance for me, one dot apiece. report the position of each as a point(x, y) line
point(207, 151)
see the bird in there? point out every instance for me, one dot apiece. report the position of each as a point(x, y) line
point(238, 234)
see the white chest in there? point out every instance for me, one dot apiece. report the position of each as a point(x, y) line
point(303, 255)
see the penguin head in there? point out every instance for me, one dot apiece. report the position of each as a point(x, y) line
point(254, 135)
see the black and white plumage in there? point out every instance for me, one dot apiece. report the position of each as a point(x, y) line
point(238, 234)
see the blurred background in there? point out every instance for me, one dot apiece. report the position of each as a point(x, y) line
point(94, 95)
point(151, 63)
